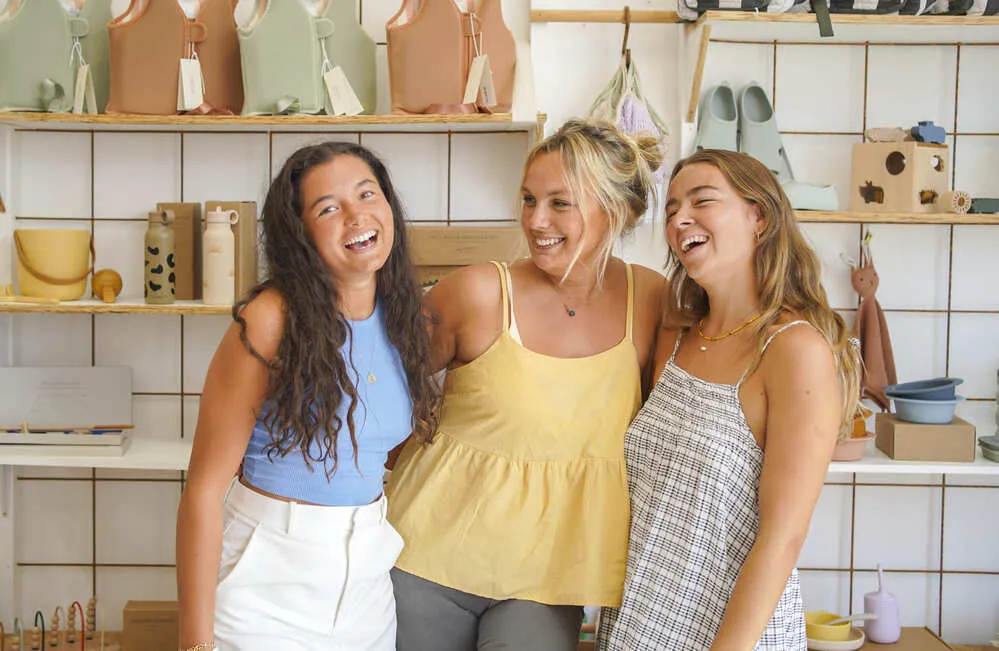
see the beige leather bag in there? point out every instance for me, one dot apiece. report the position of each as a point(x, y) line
point(431, 44)
point(147, 43)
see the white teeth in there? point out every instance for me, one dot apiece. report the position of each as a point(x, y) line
point(688, 242)
point(360, 238)
point(548, 241)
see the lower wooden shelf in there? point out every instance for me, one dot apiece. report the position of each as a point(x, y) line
point(142, 454)
point(940, 219)
point(118, 307)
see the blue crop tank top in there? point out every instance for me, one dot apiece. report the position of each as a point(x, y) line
point(382, 420)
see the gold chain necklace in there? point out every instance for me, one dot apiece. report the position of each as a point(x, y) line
point(568, 310)
point(727, 334)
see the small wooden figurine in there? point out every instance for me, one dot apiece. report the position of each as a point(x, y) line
point(106, 285)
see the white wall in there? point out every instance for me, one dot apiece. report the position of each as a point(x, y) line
point(114, 531)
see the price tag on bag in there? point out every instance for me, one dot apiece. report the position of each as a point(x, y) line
point(190, 88)
point(343, 99)
point(480, 80)
point(84, 97)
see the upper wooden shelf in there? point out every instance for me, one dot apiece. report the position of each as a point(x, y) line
point(744, 26)
point(940, 219)
point(119, 307)
point(405, 123)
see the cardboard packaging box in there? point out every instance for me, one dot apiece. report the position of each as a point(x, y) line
point(916, 442)
point(905, 176)
point(245, 231)
point(439, 250)
point(187, 249)
point(150, 626)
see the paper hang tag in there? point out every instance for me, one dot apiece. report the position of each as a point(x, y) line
point(83, 92)
point(190, 93)
point(480, 80)
point(343, 100)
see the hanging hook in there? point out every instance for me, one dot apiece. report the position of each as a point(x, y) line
point(625, 52)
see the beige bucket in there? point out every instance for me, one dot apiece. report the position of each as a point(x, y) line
point(53, 263)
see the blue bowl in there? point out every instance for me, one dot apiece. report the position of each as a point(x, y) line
point(929, 412)
point(941, 388)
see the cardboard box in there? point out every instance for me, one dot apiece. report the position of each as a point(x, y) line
point(150, 626)
point(916, 442)
point(245, 231)
point(905, 176)
point(439, 250)
point(187, 249)
point(914, 638)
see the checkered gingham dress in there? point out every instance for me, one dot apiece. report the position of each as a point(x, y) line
point(693, 471)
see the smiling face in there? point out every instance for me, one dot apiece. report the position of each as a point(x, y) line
point(553, 220)
point(348, 217)
point(710, 228)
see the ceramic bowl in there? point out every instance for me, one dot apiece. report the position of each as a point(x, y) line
point(854, 640)
point(990, 454)
point(941, 388)
point(851, 449)
point(990, 442)
point(817, 629)
point(930, 412)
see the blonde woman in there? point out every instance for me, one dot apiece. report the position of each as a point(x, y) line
point(756, 380)
point(517, 514)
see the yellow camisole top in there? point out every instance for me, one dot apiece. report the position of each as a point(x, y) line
point(523, 494)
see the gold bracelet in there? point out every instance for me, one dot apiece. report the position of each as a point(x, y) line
point(202, 646)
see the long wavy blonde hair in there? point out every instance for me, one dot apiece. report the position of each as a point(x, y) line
point(787, 271)
point(616, 169)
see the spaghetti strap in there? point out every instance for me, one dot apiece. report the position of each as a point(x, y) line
point(767, 343)
point(629, 326)
point(676, 346)
point(511, 324)
point(503, 293)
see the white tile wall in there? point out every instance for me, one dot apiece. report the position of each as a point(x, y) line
point(893, 99)
point(132, 171)
point(970, 608)
point(898, 528)
point(978, 95)
point(475, 177)
point(816, 88)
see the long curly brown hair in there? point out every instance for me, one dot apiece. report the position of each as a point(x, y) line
point(309, 378)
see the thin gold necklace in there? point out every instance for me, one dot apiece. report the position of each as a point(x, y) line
point(705, 337)
point(568, 310)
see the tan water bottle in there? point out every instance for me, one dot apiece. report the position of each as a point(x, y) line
point(218, 247)
point(159, 263)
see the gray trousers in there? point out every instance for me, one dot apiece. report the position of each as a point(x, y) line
point(431, 617)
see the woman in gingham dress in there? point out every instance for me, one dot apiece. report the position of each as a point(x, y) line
point(756, 380)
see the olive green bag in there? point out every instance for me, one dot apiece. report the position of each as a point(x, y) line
point(38, 61)
point(285, 52)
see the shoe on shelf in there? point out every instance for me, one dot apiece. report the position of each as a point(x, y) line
point(759, 137)
point(717, 121)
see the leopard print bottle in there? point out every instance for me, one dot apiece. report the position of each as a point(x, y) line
point(160, 266)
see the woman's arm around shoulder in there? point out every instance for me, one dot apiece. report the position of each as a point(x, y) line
point(650, 287)
point(235, 388)
point(802, 422)
point(465, 314)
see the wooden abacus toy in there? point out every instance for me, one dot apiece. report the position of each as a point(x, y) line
point(38, 633)
point(54, 628)
point(71, 623)
point(18, 636)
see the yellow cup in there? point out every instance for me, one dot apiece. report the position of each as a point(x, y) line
point(817, 627)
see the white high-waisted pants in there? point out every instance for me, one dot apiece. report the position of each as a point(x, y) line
point(298, 577)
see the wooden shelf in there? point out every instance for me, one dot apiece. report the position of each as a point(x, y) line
point(102, 122)
point(875, 461)
point(940, 219)
point(121, 307)
point(142, 454)
point(745, 26)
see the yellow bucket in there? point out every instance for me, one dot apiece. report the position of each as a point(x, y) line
point(53, 263)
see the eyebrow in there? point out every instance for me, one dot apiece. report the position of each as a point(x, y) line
point(693, 191)
point(550, 194)
point(330, 196)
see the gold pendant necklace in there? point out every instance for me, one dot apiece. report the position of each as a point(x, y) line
point(705, 337)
